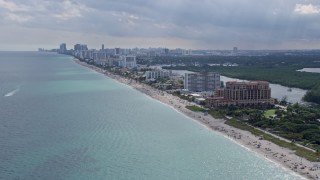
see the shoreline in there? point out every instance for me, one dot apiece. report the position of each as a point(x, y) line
point(283, 157)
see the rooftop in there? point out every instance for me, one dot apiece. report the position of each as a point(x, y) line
point(246, 83)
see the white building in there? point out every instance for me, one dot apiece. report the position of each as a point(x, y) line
point(101, 58)
point(156, 74)
point(84, 54)
point(128, 61)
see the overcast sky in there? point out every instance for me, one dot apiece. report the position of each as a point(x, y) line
point(194, 24)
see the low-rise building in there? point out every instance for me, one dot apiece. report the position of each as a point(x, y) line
point(200, 100)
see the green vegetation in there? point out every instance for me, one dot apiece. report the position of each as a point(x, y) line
point(298, 123)
point(196, 108)
point(300, 151)
point(313, 95)
point(217, 114)
point(287, 76)
point(177, 93)
point(269, 113)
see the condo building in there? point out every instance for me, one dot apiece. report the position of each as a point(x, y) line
point(157, 74)
point(80, 47)
point(101, 58)
point(203, 81)
point(128, 62)
point(242, 94)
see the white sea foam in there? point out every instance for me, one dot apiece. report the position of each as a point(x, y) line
point(12, 92)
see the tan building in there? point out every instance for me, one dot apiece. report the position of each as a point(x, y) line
point(242, 94)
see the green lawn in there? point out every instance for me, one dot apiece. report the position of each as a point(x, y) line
point(195, 108)
point(269, 113)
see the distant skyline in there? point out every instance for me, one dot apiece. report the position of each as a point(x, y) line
point(201, 24)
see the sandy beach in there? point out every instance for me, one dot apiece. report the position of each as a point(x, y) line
point(282, 156)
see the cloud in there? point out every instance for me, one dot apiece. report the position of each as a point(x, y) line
point(70, 10)
point(306, 9)
point(13, 7)
point(195, 24)
point(18, 18)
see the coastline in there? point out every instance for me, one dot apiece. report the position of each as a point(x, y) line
point(272, 152)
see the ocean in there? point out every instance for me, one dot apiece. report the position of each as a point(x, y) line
point(60, 120)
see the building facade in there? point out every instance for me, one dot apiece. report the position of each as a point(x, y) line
point(128, 62)
point(203, 81)
point(116, 51)
point(156, 74)
point(242, 94)
point(63, 48)
point(80, 47)
point(101, 58)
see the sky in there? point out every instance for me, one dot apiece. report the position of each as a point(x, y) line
point(190, 24)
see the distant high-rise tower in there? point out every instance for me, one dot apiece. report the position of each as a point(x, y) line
point(117, 51)
point(80, 47)
point(102, 47)
point(63, 48)
point(166, 51)
point(235, 49)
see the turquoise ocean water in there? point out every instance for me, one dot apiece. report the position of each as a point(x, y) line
point(59, 120)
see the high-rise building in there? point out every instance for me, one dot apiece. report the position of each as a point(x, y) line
point(101, 58)
point(63, 48)
point(80, 47)
point(128, 61)
point(242, 93)
point(235, 49)
point(102, 47)
point(203, 81)
point(117, 51)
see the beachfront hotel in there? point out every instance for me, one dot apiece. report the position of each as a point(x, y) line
point(203, 81)
point(242, 94)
